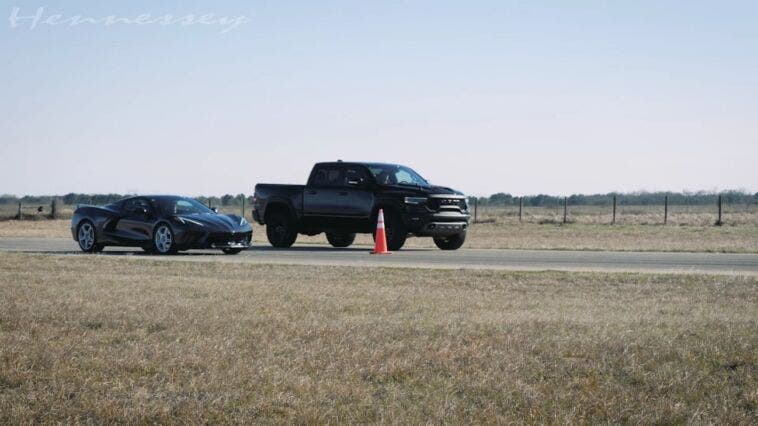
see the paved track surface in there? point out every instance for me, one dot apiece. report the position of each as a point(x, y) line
point(428, 258)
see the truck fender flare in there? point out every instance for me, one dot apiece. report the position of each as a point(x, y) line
point(387, 206)
point(279, 203)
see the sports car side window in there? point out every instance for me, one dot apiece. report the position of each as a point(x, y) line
point(136, 205)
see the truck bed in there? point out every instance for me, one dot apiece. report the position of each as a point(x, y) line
point(265, 193)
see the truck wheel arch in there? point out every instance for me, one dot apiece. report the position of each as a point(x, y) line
point(278, 207)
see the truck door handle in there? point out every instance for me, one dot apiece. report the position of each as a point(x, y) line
point(343, 192)
point(312, 192)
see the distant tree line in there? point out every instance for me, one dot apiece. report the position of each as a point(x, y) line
point(101, 199)
point(499, 199)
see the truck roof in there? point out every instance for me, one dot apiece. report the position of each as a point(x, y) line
point(360, 163)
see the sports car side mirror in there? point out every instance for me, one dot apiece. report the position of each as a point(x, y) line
point(215, 209)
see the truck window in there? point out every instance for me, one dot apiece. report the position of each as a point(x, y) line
point(327, 176)
point(355, 176)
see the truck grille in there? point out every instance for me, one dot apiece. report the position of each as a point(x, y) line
point(455, 204)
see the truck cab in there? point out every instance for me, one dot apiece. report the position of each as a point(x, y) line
point(342, 199)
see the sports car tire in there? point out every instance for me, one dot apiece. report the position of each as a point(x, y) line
point(232, 250)
point(163, 240)
point(87, 237)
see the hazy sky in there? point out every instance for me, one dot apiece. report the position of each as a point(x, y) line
point(516, 96)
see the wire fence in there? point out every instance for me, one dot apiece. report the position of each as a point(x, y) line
point(616, 212)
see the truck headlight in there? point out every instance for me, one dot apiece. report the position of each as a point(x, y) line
point(415, 200)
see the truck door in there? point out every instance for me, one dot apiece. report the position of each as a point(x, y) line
point(356, 196)
point(320, 195)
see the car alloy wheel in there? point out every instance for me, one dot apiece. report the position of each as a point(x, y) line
point(86, 236)
point(164, 239)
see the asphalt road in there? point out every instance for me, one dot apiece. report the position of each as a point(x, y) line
point(432, 258)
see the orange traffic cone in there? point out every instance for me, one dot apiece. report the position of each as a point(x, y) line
point(380, 244)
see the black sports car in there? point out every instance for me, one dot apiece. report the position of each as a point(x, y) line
point(161, 224)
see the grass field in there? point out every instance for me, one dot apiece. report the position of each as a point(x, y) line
point(101, 339)
point(501, 234)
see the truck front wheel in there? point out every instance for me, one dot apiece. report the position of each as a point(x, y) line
point(452, 242)
point(280, 231)
point(340, 240)
point(394, 230)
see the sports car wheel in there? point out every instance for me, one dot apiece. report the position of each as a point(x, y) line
point(231, 251)
point(163, 240)
point(86, 237)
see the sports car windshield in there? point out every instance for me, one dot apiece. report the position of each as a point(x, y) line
point(390, 174)
point(181, 206)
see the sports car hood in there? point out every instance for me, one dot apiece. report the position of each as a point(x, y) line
point(217, 222)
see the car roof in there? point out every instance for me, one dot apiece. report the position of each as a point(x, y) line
point(153, 196)
point(357, 163)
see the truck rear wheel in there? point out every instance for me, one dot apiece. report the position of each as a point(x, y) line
point(452, 242)
point(340, 240)
point(279, 230)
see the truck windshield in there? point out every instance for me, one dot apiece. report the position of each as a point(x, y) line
point(390, 174)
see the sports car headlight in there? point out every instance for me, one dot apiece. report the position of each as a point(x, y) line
point(243, 221)
point(415, 200)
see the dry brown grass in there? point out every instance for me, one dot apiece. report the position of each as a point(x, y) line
point(102, 339)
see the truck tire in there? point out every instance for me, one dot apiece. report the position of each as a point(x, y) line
point(340, 240)
point(452, 242)
point(394, 229)
point(279, 230)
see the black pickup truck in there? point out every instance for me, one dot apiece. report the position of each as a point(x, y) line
point(344, 198)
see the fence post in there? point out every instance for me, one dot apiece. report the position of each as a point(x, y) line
point(665, 209)
point(613, 221)
point(476, 207)
point(54, 208)
point(565, 209)
point(19, 212)
point(719, 222)
point(520, 207)
point(243, 205)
